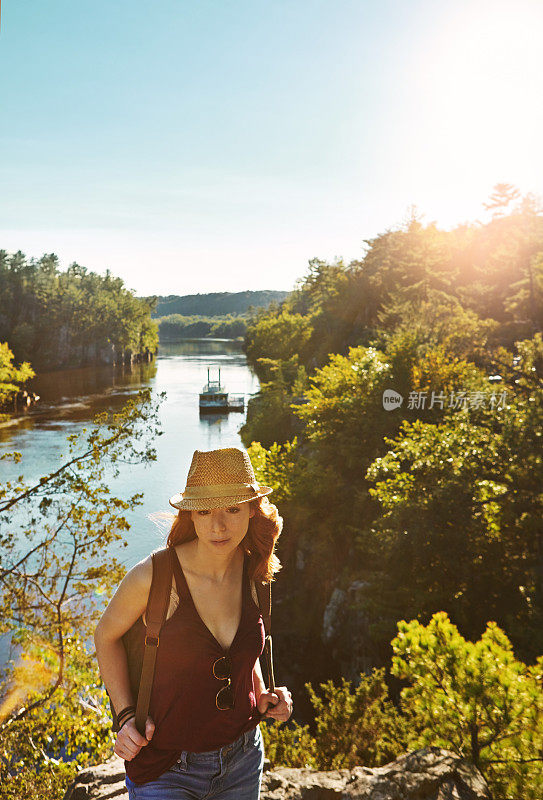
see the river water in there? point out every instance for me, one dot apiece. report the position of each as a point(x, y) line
point(71, 398)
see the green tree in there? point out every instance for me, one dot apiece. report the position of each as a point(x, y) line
point(11, 377)
point(461, 500)
point(454, 521)
point(343, 413)
point(70, 318)
point(475, 699)
point(270, 414)
point(55, 536)
point(275, 337)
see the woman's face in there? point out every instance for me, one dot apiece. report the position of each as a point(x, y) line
point(222, 529)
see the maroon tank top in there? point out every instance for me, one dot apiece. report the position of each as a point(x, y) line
point(182, 702)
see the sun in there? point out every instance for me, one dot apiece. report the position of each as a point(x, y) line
point(476, 118)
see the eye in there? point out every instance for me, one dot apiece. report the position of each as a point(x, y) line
point(202, 512)
point(234, 510)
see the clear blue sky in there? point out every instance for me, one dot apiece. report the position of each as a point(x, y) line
point(209, 146)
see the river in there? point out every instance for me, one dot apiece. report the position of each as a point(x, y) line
point(71, 398)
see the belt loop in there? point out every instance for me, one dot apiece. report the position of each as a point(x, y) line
point(182, 761)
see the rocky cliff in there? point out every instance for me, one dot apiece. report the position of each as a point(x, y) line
point(427, 774)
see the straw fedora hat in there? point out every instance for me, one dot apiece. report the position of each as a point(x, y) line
point(219, 478)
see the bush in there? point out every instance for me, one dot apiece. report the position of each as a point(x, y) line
point(357, 726)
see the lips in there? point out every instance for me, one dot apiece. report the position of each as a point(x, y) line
point(219, 541)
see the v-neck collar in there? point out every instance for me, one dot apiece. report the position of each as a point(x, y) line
point(180, 576)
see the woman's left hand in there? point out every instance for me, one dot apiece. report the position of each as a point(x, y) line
point(276, 705)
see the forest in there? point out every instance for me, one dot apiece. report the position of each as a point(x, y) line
point(174, 327)
point(57, 318)
point(222, 315)
point(433, 506)
point(216, 304)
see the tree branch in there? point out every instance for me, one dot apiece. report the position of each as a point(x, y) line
point(106, 443)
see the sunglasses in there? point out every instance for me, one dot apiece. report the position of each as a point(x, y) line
point(222, 670)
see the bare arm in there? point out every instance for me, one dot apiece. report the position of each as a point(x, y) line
point(127, 604)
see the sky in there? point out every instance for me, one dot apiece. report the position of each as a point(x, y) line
point(204, 145)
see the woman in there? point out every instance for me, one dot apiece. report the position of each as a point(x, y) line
point(202, 735)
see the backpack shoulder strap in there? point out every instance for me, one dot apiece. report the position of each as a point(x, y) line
point(263, 594)
point(155, 615)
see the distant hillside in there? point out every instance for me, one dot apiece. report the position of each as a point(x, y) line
point(215, 304)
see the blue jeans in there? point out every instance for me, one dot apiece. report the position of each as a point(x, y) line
point(232, 773)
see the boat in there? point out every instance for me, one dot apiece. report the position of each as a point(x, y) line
point(214, 397)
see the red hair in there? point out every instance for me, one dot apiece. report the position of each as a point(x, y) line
point(259, 542)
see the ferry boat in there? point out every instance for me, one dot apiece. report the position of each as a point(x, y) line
point(214, 397)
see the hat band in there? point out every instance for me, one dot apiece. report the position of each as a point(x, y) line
point(219, 490)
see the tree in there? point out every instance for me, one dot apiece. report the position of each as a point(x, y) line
point(454, 521)
point(475, 699)
point(501, 198)
point(11, 377)
point(276, 336)
point(55, 534)
point(460, 521)
point(67, 318)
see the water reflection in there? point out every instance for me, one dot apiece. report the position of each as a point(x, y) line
point(202, 347)
point(62, 386)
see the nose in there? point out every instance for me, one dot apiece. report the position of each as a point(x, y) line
point(218, 519)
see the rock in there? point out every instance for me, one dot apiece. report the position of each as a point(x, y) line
point(103, 781)
point(346, 630)
point(331, 617)
point(427, 774)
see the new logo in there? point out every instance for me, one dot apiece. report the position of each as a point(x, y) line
point(391, 400)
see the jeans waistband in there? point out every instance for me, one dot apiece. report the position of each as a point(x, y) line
point(240, 743)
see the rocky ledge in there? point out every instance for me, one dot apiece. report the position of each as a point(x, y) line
point(427, 774)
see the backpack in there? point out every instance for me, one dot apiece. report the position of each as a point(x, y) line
point(141, 641)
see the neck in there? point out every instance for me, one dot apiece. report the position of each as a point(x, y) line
point(215, 566)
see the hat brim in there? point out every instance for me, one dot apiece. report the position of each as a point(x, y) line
point(209, 503)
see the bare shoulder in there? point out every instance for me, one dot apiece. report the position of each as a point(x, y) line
point(141, 574)
point(137, 581)
point(129, 601)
